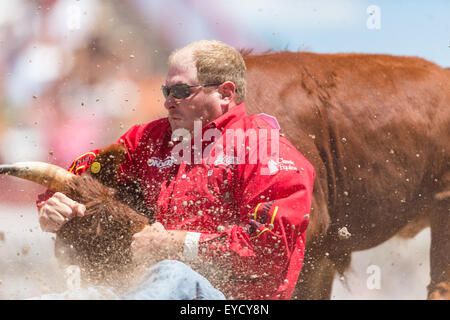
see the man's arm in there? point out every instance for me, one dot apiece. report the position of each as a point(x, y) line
point(155, 243)
point(269, 241)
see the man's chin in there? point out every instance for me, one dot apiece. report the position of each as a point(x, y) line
point(177, 124)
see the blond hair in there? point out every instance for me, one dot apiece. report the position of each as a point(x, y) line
point(215, 62)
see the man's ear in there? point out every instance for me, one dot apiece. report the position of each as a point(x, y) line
point(227, 92)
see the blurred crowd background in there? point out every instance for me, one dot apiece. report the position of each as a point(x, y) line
point(76, 74)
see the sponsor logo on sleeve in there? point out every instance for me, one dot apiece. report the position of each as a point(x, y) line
point(280, 165)
point(161, 163)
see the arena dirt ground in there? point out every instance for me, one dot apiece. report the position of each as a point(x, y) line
point(398, 269)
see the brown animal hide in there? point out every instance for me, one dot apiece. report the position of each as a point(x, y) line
point(377, 130)
point(100, 241)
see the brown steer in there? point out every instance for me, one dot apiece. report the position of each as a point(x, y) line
point(377, 130)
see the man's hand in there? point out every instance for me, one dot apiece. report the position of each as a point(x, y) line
point(155, 243)
point(57, 211)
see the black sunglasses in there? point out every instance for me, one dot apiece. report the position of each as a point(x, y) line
point(182, 90)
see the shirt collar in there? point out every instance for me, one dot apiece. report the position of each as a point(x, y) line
point(234, 114)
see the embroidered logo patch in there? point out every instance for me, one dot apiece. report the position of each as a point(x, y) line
point(159, 163)
point(223, 159)
point(83, 161)
point(280, 165)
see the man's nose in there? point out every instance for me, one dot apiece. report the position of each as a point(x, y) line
point(170, 102)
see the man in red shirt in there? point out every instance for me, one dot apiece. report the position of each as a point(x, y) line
point(231, 197)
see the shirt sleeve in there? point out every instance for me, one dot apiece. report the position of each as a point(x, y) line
point(275, 201)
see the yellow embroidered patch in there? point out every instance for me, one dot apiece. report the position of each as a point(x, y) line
point(79, 168)
point(82, 159)
point(96, 167)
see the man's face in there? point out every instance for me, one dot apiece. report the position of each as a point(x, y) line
point(204, 104)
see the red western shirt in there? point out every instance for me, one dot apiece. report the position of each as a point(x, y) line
point(249, 216)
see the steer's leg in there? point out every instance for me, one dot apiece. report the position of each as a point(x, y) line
point(316, 278)
point(317, 274)
point(439, 287)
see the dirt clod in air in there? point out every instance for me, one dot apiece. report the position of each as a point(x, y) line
point(25, 250)
point(343, 233)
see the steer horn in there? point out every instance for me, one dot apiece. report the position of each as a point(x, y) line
point(48, 175)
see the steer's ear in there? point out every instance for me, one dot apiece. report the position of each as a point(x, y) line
point(106, 165)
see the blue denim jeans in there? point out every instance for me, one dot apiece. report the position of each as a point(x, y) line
point(173, 280)
point(166, 280)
